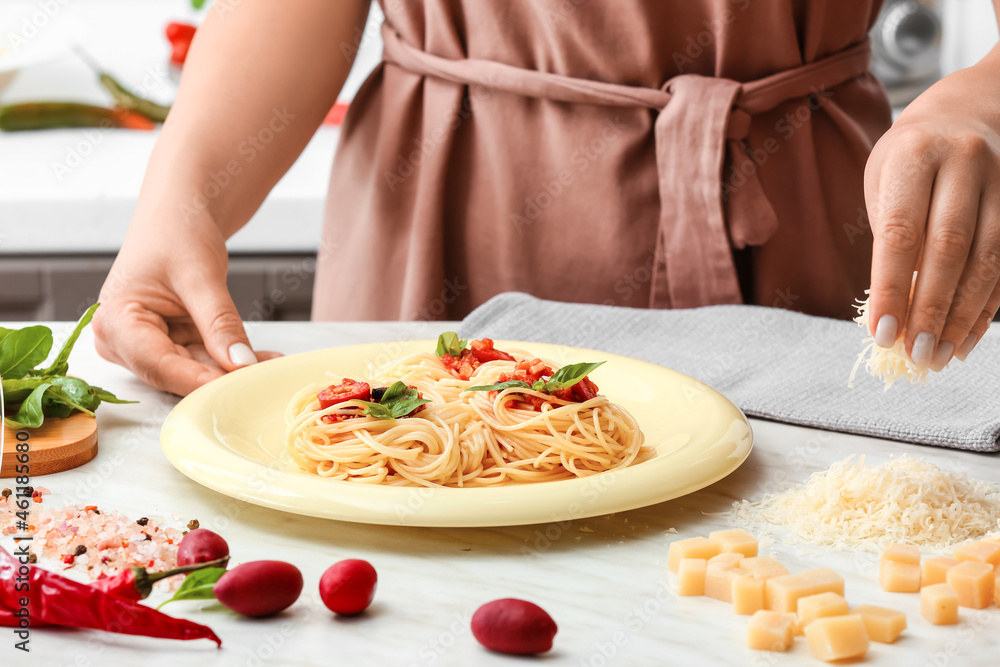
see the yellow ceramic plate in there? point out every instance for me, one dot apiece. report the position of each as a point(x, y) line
point(229, 436)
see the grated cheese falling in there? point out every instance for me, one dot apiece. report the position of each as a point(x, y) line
point(853, 506)
point(887, 363)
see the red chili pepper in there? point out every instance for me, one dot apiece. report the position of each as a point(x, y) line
point(345, 391)
point(136, 583)
point(180, 36)
point(55, 600)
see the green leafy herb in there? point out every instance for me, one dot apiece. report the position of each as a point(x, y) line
point(60, 366)
point(500, 386)
point(197, 4)
point(198, 585)
point(23, 349)
point(32, 394)
point(450, 343)
point(567, 376)
point(398, 401)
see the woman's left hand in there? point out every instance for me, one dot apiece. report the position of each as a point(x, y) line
point(932, 187)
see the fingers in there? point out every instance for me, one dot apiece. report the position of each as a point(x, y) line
point(980, 326)
point(898, 194)
point(951, 226)
point(137, 339)
point(219, 323)
point(976, 298)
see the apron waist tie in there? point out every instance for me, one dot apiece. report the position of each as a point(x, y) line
point(700, 119)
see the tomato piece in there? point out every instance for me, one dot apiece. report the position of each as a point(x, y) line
point(348, 390)
point(584, 390)
point(462, 366)
point(484, 351)
point(176, 30)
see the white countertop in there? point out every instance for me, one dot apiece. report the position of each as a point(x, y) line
point(603, 580)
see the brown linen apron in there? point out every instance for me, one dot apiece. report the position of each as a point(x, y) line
point(609, 152)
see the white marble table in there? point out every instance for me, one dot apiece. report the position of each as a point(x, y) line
point(604, 580)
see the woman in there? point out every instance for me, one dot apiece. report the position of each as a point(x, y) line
point(640, 153)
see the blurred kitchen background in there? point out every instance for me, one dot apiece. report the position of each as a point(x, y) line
point(66, 196)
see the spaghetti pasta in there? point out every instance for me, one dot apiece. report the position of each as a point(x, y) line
point(462, 437)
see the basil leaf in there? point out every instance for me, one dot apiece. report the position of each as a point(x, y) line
point(407, 405)
point(198, 585)
point(60, 366)
point(567, 376)
point(500, 386)
point(397, 401)
point(377, 410)
point(450, 343)
point(30, 414)
point(395, 391)
point(197, 4)
point(23, 349)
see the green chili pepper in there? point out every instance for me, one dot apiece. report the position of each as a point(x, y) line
point(126, 99)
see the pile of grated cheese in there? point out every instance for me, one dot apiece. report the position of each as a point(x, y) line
point(853, 506)
point(886, 363)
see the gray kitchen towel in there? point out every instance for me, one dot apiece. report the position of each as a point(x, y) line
point(772, 363)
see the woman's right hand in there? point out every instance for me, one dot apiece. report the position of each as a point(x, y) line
point(257, 82)
point(166, 313)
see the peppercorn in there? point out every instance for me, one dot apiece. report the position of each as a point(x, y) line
point(148, 537)
point(193, 524)
point(6, 493)
point(143, 521)
point(32, 558)
point(80, 550)
point(29, 490)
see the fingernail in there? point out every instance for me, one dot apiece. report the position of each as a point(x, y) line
point(885, 332)
point(923, 346)
point(942, 356)
point(970, 342)
point(241, 354)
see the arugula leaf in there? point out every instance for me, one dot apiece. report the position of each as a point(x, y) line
point(198, 585)
point(57, 398)
point(398, 401)
point(567, 376)
point(23, 349)
point(30, 413)
point(15, 391)
point(60, 366)
point(450, 343)
point(105, 396)
point(500, 386)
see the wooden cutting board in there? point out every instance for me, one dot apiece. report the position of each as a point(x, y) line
point(57, 445)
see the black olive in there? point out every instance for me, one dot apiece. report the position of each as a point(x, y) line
point(378, 393)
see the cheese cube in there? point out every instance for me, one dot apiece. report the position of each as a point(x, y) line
point(939, 604)
point(727, 559)
point(695, 547)
point(984, 552)
point(820, 605)
point(837, 637)
point(935, 570)
point(719, 581)
point(770, 631)
point(763, 567)
point(748, 594)
point(883, 625)
point(901, 553)
point(691, 576)
point(736, 541)
point(782, 593)
point(973, 582)
point(899, 577)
